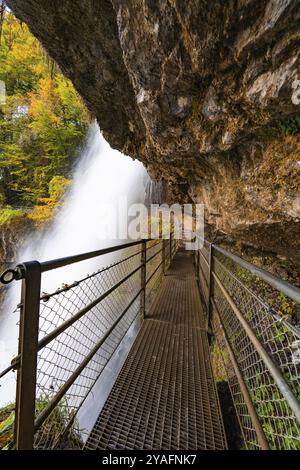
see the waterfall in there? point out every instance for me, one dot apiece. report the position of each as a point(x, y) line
point(101, 177)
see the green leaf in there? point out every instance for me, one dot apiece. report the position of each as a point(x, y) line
point(7, 423)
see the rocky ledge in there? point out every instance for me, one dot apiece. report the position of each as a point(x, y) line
point(205, 93)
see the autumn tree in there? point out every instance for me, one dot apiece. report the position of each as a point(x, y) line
point(42, 123)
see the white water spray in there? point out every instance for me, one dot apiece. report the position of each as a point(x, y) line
point(101, 177)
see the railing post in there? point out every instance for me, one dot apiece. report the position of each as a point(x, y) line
point(143, 279)
point(261, 437)
point(164, 255)
point(267, 359)
point(198, 267)
point(210, 281)
point(28, 350)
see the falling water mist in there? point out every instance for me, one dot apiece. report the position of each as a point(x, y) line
point(101, 177)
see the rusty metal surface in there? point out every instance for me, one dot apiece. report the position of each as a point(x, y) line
point(165, 396)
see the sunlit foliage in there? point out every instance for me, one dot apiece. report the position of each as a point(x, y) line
point(42, 123)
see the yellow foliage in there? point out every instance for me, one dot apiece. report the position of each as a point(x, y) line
point(43, 213)
point(47, 207)
point(55, 120)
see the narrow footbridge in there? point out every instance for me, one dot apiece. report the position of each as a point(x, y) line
point(130, 356)
point(165, 395)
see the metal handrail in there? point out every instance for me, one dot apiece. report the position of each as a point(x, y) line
point(255, 419)
point(56, 399)
point(18, 273)
point(291, 327)
point(274, 370)
point(286, 288)
point(226, 308)
point(29, 345)
point(15, 362)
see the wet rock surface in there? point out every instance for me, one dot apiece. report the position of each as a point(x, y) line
point(200, 92)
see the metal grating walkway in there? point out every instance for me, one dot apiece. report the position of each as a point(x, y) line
point(165, 396)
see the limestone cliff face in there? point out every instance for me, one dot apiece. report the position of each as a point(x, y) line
point(195, 89)
point(13, 234)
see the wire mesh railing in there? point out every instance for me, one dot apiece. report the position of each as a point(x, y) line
point(67, 337)
point(259, 345)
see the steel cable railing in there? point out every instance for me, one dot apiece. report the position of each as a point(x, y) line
point(67, 337)
point(259, 346)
